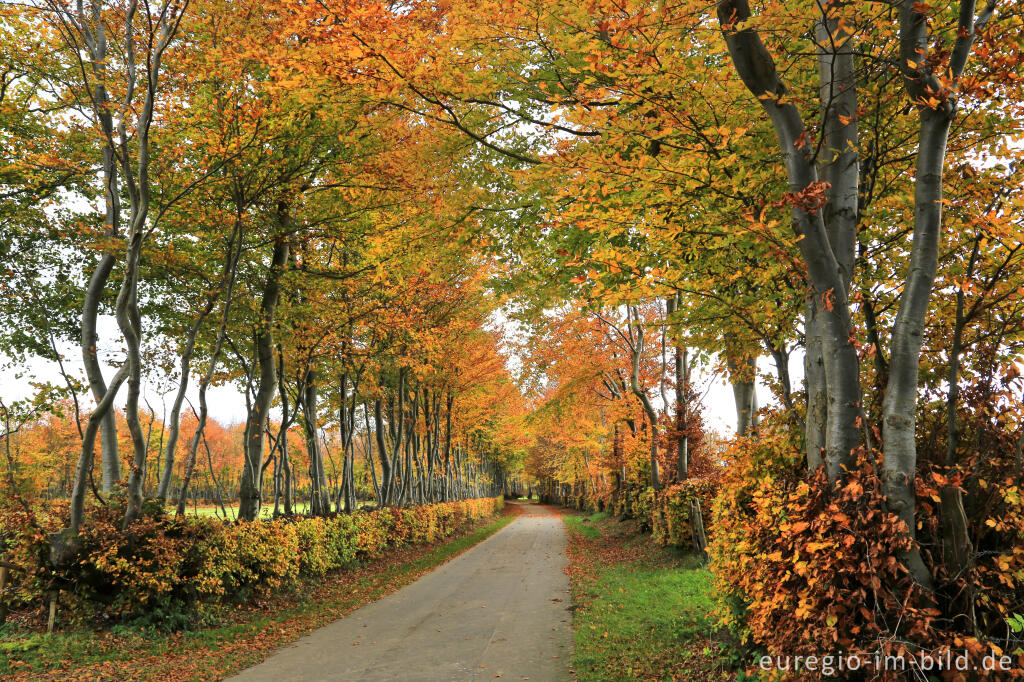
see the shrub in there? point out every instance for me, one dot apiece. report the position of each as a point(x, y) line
point(315, 551)
point(803, 567)
point(670, 518)
point(165, 571)
point(341, 541)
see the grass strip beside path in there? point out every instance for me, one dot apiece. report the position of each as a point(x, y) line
point(245, 637)
point(641, 612)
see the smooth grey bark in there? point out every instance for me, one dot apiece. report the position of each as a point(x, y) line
point(636, 333)
point(84, 32)
point(840, 168)
point(816, 415)
point(840, 214)
point(382, 451)
point(414, 478)
point(130, 323)
point(369, 456)
point(756, 69)
point(408, 446)
point(780, 358)
point(428, 445)
point(434, 434)
point(126, 310)
point(448, 448)
point(85, 459)
point(388, 458)
point(111, 462)
point(256, 421)
point(346, 496)
point(320, 499)
point(284, 459)
point(742, 377)
point(174, 424)
point(341, 497)
point(839, 157)
point(91, 32)
point(899, 463)
point(351, 503)
point(682, 377)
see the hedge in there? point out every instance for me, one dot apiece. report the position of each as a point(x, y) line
point(167, 571)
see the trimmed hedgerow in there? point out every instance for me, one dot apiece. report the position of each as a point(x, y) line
point(167, 571)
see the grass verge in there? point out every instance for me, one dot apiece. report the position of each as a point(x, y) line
point(243, 638)
point(641, 612)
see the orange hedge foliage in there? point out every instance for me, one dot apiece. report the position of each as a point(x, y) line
point(165, 570)
point(805, 568)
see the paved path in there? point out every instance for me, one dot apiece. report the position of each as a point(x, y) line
point(497, 610)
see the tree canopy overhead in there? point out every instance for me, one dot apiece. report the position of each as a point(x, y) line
point(445, 250)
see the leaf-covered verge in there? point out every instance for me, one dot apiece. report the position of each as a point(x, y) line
point(242, 636)
point(641, 611)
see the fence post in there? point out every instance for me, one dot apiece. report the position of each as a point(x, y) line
point(53, 613)
point(3, 585)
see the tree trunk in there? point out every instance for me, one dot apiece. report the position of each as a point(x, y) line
point(130, 323)
point(207, 378)
point(111, 467)
point(899, 464)
point(757, 70)
point(111, 463)
point(637, 350)
point(899, 407)
point(256, 421)
point(87, 454)
point(320, 500)
point(174, 423)
point(814, 382)
point(682, 376)
point(369, 457)
point(742, 375)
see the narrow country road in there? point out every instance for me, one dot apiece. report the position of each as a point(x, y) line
point(499, 610)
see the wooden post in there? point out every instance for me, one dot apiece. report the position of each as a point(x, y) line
point(3, 604)
point(53, 613)
point(700, 541)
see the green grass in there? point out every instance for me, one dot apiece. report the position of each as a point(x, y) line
point(213, 510)
point(584, 524)
point(642, 612)
point(266, 511)
point(214, 652)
